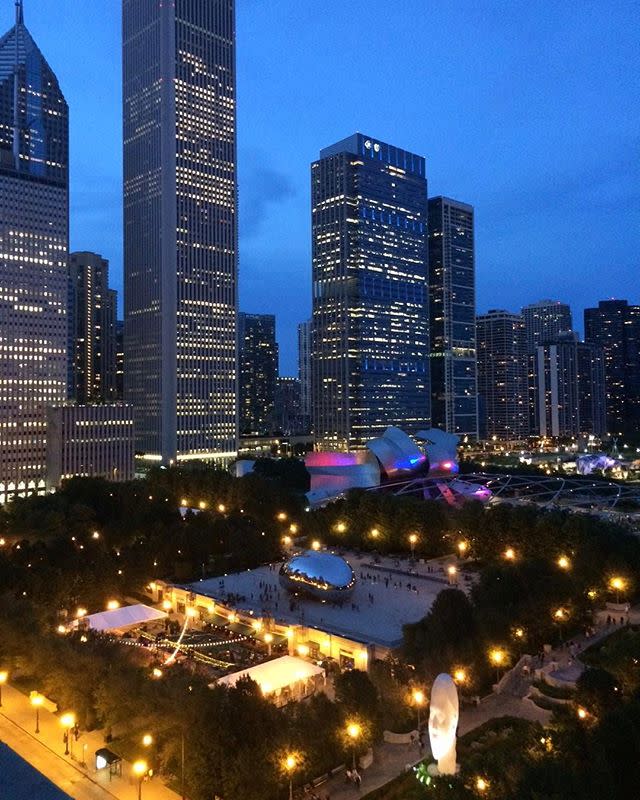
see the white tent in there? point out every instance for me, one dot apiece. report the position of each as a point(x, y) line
point(278, 674)
point(124, 617)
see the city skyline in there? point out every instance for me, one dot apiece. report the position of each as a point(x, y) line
point(534, 160)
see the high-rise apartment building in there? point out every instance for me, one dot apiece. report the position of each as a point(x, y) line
point(180, 226)
point(92, 329)
point(119, 360)
point(452, 309)
point(304, 368)
point(34, 214)
point(502, 376)
point(258, 372)
point(370, 348)
point(544, 321)
point(288, 417)
point(568, 388)
point(615, 327)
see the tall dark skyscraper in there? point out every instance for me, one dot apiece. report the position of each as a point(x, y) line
point(502, 376)
point(92, 329)
point(304, 369)
point(370, 332)
point(180, 226)
point(615, 327)
point(258, 371)
point(34, 222)
point(452, 309)
point(544, 321)
point(568, 388)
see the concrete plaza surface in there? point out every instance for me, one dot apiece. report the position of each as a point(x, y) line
point(387, 595)
point(45, 752)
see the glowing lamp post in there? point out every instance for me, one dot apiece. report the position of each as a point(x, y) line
point(560, 615)
point(353, 731)
point(290, 764)
point(564, 563)
point(268, 638)
point(498, 658)
point(315, 545)
point(36, 701)
point(618, 585)
point(510, 554)
point(140, 769)
point(147, 740)
point(68, 722)
point(4, 677)
point(460, 676)
point(481, 785)
point(413, 540)
point(452, 574)
point(463, 547)
point(418, 699)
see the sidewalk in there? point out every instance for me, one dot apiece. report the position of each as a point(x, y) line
point(45, 752)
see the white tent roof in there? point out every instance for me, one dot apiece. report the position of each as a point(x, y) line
point(123, 617)
point(275, 674)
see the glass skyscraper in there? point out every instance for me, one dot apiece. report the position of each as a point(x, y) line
point(34, 215)
point(452, 309)
point(180, 226)
point(544, 321)
point(370, 332)
point(258, 372)
point(615, 327)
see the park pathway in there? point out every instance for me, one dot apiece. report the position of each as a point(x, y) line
point(45, 752)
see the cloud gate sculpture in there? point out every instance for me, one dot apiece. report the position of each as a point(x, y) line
point(320, 574)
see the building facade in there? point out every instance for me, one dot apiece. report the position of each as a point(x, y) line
point(544, 321)
point(34, 214)
point(89, 441)
point(288, 417)
point(452, 309)
point(568, 388)
point(502, 376)
point(258, 372)
point(304, 368)
point(119, 361)
point(180, 226)
point(615, 327)
point(370, 328)
point(92, 329)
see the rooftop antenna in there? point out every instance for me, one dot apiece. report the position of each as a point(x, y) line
point(16, 92)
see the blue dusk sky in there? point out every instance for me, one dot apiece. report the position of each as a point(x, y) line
point(528, 109)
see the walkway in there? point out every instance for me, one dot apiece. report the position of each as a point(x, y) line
point(45, 752)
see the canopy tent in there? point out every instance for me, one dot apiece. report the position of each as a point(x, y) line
point(277, 674)
point(125, 617)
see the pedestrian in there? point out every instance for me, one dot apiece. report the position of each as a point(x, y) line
point(357, 779)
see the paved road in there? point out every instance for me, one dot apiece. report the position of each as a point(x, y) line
point(45, 752)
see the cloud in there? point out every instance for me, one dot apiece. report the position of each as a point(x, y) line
point(261, 187)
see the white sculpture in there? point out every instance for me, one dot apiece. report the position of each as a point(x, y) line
point(443, 721)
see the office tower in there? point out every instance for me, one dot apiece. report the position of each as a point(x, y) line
point(92, 329)
point(34, 215)
point(544, 321)
point(502, 376)
point(452, 309)
point(568, 388)
point(304, 368)
point(180, 227)
point(119, 360)
point(288, 417)
point(90, 441)
point(615, 327)
point(370, 348)
point(258, 371)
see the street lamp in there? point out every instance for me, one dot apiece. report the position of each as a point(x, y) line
point(140, 769)
point(497, 658)
point(481, 785)
point(315, 544)
point(290, 763)
point(147, 740)
point(462, 548)
point(413, 540)
point(4, 677)
point(618, 585)
point(418, 699)
point(510, 554)
point(67, 721)
point(353, 731)
point(268, 638)
point(36, 700)
point(460, 676)
point(452, 572)
point(560, 615)
point(564, 563)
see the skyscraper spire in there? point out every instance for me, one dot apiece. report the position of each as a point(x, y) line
point(19, 13)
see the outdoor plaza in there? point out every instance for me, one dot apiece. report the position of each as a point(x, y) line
point(351, 631)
